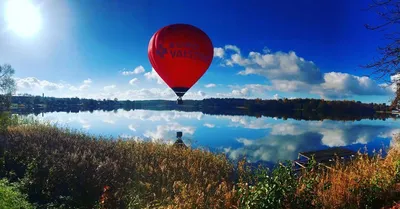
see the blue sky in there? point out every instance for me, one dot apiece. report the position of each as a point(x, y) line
point(266, 49)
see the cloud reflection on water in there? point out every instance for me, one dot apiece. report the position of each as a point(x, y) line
point(266, 139)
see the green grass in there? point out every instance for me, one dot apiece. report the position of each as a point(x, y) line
point(11, 197)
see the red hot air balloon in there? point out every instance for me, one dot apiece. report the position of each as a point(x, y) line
point(180, 54)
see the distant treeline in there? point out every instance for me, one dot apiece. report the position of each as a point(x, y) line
point(305, 109)
point(62, 104)
point(311, 109)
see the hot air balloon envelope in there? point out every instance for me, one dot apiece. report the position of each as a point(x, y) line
point(180, 54)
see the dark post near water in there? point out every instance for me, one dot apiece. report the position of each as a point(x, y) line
point(179, 142)
point(179, 134)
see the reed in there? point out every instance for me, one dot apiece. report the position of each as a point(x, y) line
point(366, 182)
point(62, 168)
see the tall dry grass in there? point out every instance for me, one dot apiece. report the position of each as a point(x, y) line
point(366, 182)
point(59, 167)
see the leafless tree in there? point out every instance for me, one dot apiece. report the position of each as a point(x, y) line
point(387, 66)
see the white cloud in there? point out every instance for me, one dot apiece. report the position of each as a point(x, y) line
point(36, 86)
point(273, 148)
point(150, 93)
point(152, 115)
point(395, 78)
point(109, 121)
point(138, 70)
point(200, 93)
point(342, 85)
point(86, 84)
point(392, 84)
point(236, 93)
point(233, 48)
point(87, 81)
point(133, 81)
point(168, 132)
point(274, 66)
point(246, 91)
point(219, 52)
point(153, 75)
point(246, 122)
point(110, 88)
point(287, 72)
point(336, 85)
point(132, 127)
point(210, 85)
point(288, 138)
point(279, 66)
point(138, 94)
point(209, 125)
point(143, 94)
point(85, 123)
point(276, 96)
point(289, 86)
point(30, 84)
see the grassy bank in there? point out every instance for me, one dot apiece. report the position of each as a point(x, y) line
point(11, 197)
point(61, 168)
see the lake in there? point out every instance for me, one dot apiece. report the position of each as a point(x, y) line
point(260, 139)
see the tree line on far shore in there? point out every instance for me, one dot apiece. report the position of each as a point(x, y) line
point(314, 109)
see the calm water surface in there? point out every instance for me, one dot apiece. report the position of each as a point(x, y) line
point(259, 139)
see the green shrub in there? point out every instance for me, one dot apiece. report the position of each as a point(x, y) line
point(11, 197)
point(7, 120)
point(273, 189)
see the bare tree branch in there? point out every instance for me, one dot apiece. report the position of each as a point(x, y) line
point(387, 66)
